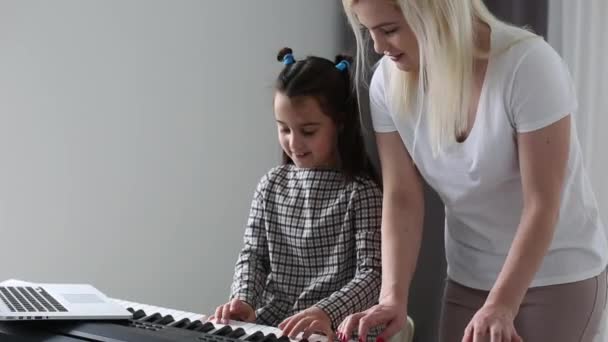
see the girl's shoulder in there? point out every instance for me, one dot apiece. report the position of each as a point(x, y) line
point(291, 174)
point(367, 186)
point(363, 193)
point(277, 172)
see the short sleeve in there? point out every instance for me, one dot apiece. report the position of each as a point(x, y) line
point(542, 91)
point(381, 117)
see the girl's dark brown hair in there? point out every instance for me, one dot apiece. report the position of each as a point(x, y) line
point(320, 79)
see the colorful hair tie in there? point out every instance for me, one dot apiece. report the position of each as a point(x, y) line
point(288, 59)
point(343, 65)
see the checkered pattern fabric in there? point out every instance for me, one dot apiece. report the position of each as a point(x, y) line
point(312, 238)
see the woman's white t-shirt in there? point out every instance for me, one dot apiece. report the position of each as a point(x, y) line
point(526, 87)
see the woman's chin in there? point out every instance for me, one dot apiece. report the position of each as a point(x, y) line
point(403, 65)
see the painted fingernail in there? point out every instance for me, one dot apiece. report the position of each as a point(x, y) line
point(379, 339)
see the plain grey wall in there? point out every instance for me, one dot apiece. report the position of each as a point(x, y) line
point(133, 133)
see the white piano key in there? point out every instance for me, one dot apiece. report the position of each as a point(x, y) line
point(148, 309)
point(177, 315)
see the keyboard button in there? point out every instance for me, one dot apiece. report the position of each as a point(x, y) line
point(238, 332)
point(270, 338)
point(139, 314)
point(182, 323)
point(151, 318)
point(194, 325)
point(165, 320)
point(255, 337)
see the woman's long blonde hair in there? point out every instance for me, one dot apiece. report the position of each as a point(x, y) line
point(445, 31)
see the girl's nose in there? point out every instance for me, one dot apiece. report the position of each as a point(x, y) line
point(295, 142)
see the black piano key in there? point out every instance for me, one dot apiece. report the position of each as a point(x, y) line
point(131, 310)
point(223, 331)
point(255, 337)
point(139, 314)
point(269, 338)
point(151, 318)
point(284, 338)
point(182, 323)
point(165, 320)
point(206, 327)
point(238, 332)
point(196, 324)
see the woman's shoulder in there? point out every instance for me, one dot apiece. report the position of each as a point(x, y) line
point(514, 46)
point(523, 59)
point(532, 66)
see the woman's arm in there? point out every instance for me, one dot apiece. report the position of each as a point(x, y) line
point(402, 218)
point(543, 157)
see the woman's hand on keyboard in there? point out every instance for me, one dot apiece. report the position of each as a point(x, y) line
point(236, 310)
point(389, 314)
point(310, 321)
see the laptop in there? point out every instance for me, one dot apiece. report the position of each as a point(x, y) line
point(34, 301)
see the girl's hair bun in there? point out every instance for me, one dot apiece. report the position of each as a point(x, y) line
point(283, 52)
point(340, 58)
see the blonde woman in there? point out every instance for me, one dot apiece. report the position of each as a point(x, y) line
point(483, 112)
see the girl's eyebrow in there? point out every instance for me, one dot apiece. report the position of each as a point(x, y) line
point(303, 124)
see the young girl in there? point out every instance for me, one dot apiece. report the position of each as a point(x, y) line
point(312, 241)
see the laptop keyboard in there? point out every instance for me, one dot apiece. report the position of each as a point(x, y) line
point(29, 299)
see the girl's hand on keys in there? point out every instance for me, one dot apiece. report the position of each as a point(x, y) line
point(310, 321)
point(236, 309)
